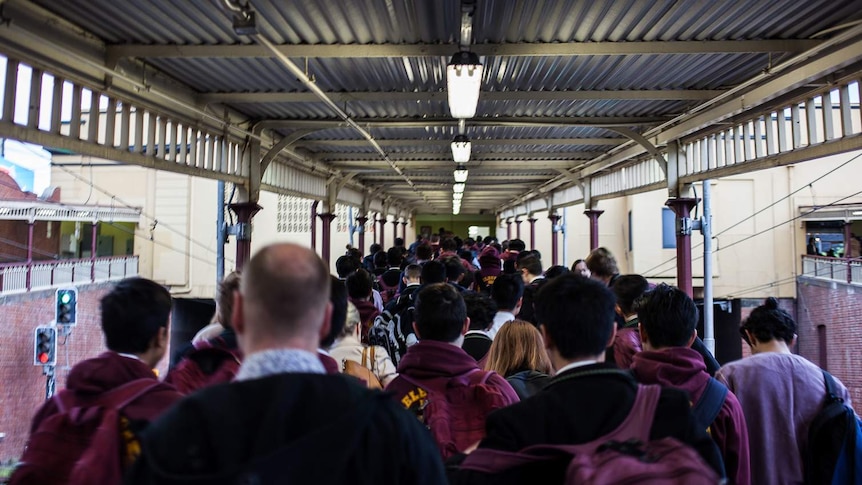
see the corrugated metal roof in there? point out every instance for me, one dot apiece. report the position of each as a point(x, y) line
point(437, 22)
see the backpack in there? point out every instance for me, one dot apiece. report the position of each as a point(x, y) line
point(81, 444)
point(626, 455)
point(206, 365)
point(387, 292)
point(393, 329)
point(455, 413)
point(362, 371)
point(709, 405)
point(834, 453)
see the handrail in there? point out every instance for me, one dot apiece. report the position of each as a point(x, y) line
point(22, 277)
point(845, 270)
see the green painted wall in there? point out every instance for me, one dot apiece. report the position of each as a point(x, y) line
point(457, 224)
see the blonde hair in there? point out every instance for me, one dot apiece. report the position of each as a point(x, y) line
point(351, 321)
point(518, 346)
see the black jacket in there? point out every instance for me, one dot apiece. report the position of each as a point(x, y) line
point(288, 428)
point(528, 312)
point(579, 406)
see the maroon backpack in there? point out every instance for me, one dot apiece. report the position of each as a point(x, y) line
point(81, 444)
point(626, 455)
point(206, 365)
point(455, 412)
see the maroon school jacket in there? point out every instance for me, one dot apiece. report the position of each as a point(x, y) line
point(683, 368)
point(91, 378)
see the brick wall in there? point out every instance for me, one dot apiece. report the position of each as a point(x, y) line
point(23, 385)
point(838, 307)
point(13, 244)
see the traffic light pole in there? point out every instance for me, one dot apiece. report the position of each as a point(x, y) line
point(51, 383)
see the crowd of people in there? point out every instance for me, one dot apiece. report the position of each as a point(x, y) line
point(464, 361)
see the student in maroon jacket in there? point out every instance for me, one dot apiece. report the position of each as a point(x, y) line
point(429, 365)
point(667, 328)
point(135, 317)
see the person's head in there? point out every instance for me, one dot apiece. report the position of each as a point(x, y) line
point(448, 244)
point(352, 322)
point(433, 272)
point(424, 252)
point(374, 249)
point(224, 298)
point(507, 291)
point(529, 267)
point(454, 268)
point(518, 346)
point(602, 265)
point(555, 271)
point(338, 299)
point(283, 300)
point(576, 316)
point(768, 326)
point(379, 259)
point(517, 245)
point(580, 267)
point(394, 256)
point(135, 317)
point(356, 254)
point(627, 289)
point(359, 285)
point(481, 310)
point(412, 274)
point(489, 240)
point(440, 314)
point(399, 242)
point(667, 317)
point(345, 265)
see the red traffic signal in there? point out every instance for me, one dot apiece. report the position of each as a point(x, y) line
point(45, 346)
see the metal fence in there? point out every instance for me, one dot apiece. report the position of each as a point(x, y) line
point(845, 270)
point(42, 275)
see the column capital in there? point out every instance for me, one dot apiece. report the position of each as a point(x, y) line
point(593, 213)
point(682, 206)
point(325, 217)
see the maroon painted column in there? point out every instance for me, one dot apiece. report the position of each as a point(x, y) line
point(244, 212)
point(360, 221)
point(324, 235)
point(382, 223)
point(314, 224)
point(593, 215)
point(404, 231)
point(508, 230)
point(847, 238)
point(532, 221)
point(555, 219)
point(394, 230)
point(518, 228)
point(682, 208)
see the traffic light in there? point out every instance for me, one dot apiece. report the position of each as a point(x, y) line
point(45, 349)
point(66, 306)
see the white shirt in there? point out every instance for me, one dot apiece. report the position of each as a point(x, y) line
point(501, 318)
point(279, 361)
point(574, 365)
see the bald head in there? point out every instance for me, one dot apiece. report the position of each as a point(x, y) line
point(285, 293)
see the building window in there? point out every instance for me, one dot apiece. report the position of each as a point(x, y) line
point(668, 228)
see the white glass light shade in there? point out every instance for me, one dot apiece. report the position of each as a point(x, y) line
point(461, 149)
point(458, 188)
point(463, 82)
point(457, 196)
point(460, 175)
point(456, 210)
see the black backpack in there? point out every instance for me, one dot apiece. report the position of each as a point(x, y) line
point(393, 329)
point(834, 454)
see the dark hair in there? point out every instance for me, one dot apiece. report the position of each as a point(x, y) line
point(602, 262)
point(481, 310)
point(507, 290)
point(374, 249)
point(424, 252)
point(399, 241)
point(448, 244)
point(509, 266)
point(531, 264)
point(555, 271)
point(224, 298)
point(440, 313)
point(379, 259)
point(132, 314)
point(469, 280)
point(433, 272)
point(454, 268)
point(667, 315)
point(345, 265)
point(359, 284)
point(394, 256)
point(578, 314)
point(577, 262)
point(517, 245)
point(627, 289)
point(768, 322)
point(338, 298)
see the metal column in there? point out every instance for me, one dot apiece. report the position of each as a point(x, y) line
point(324, 235)
point(593, 215)
point(360, 222)
point(244, 212)
point(555, 220)
point(532, 221)
point(706, 230)
point(682, 208)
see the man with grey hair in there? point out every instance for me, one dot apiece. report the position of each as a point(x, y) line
point(283, 419)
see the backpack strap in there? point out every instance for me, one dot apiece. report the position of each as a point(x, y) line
point(364, 357)
point(639, 421)
point(831, 388)
point(709, 405)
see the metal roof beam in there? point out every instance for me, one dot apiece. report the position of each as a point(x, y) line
point(380, 96)
point(476, 142)
point(513, 121)
point(526, 49)
point(443, 157)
